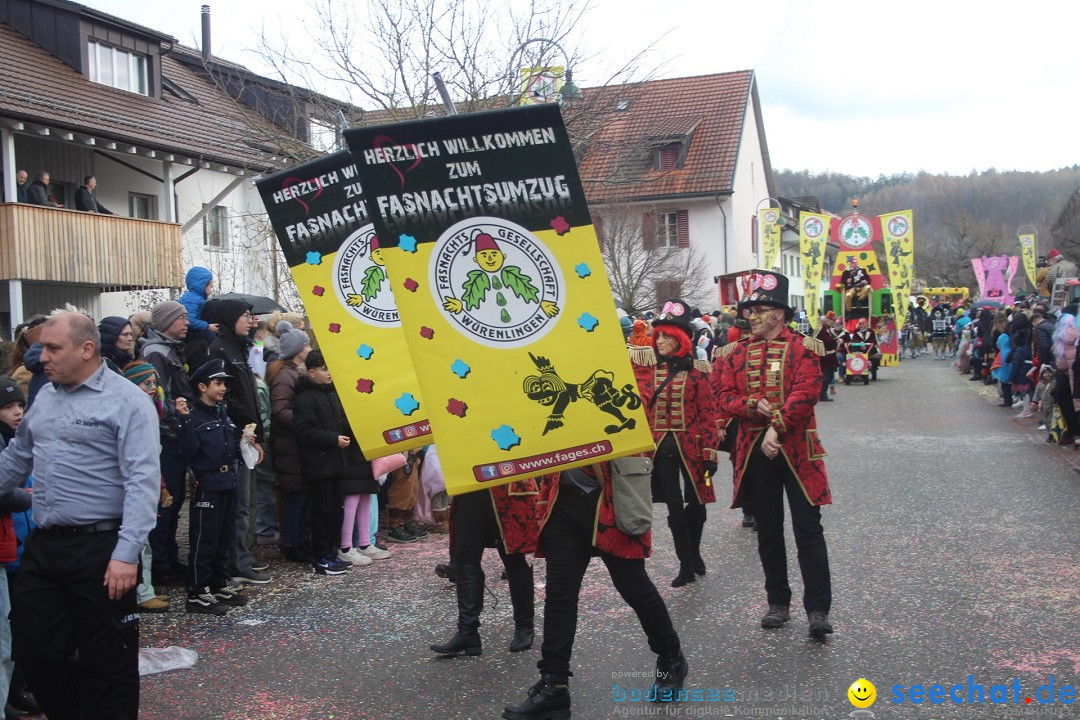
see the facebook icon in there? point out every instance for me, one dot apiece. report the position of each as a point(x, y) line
point(490, 472)
point(396, 435)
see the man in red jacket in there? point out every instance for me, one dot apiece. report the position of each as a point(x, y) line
point(771, 382)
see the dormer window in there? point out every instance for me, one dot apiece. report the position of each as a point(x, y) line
point(667, 157)
point(117, 68)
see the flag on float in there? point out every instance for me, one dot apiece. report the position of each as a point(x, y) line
point(769, 226)
point(897, 232)
point(813, 235)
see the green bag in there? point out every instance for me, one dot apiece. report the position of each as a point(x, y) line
point(631, 494)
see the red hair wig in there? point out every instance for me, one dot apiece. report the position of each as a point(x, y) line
point(678, 335)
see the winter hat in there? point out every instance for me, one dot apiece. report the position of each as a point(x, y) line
point(110, 328)
point(1053, 254)
point(137, 372)
point(627, 325)
point(227, 312)
point(165, 314)
point(10, 392)
point(290, 340)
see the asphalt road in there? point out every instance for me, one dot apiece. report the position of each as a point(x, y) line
point(953, 540)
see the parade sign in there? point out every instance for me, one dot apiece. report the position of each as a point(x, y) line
point(1028, 252)
point(318, 214)
point(899, 236)
point(769, 223)
point(813, 235)
point(501, 288)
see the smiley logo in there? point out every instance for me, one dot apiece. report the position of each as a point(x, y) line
point(862, 693)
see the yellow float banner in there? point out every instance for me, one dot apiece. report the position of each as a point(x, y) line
point(769, 226)
point(1028, 253)
point(507, 312)
point(319, 217)
point(813, 235)
point(541, 84)
point(898, 234)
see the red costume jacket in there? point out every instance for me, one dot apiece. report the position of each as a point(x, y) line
point(606, 537)
point(686, 408)
point(515, 512)
point(786, 371)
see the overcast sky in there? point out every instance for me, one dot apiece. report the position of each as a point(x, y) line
point(865, 88)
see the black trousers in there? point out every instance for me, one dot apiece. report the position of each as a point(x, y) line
point(766, 483)
point(78, 649)
point(1063, 396)
point(212, 533)
point(567, 541)
point(325, 510)
point(477, 528)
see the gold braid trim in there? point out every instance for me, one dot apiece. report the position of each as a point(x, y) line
point(703, 365)
point(641, 355)
point(722, 352)
point(813, 344)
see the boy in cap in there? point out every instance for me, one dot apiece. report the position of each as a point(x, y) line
point(209, 440)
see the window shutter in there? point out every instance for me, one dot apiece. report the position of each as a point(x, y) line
point(648, 231)
point(667, 158)
point(682, 224)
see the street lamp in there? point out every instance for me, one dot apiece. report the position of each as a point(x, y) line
point(569, 91)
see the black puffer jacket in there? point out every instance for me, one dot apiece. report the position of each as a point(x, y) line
point(318, 420)
point(243, 397)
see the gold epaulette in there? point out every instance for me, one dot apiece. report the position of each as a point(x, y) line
point(703, 365)
point(641, 355)
point(813, 344)
point(724, 351)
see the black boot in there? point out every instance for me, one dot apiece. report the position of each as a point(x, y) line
point(671, 671)
point(680, 534)
point(695, 519)
point(548, 699)
point(470, 599)
point(446, 571)
point(523, 599)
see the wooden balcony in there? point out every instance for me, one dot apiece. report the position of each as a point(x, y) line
point(78, 248)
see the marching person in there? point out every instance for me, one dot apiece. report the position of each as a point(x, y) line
point(827, 335)
point(681, 407)
point(579, 524)
point(771, 382)
point(865, 340)
point(941, 317)
point(91, 440)
point(503, 517)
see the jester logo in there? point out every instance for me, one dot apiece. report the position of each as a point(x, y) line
point(898, 226)
point(552, 391)
point(360, 280)
point(496, 282)
point(813, 227)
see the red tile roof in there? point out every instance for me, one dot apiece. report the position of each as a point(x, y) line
point(39, 88)
point(617, 166)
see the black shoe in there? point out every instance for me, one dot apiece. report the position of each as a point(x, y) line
point(462, 642)
point(776, 617)
point(12, 713)
point(400, 535)
point(523, 637)
point(825, 398)
point(699, 566)
point(748, 521)
point(819, 624)
point(685, 577)
point(447, 571)
point(419, 532)
point(259, 565)
point(671, 671)
point(230, 596)
point(548, 699)
point(24, 702)
point(205, 602)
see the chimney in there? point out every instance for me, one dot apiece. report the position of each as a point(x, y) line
point(206, 54)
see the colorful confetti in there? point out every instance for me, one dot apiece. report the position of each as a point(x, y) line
point(314, 258)
point(460, 368)
point(505, 437)
point(407, 243)
point(587, 322)
point(407, 404)
point(457, 407)
point(365, 351)
point(582, 270)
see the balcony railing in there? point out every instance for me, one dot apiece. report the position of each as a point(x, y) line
point(79, 248)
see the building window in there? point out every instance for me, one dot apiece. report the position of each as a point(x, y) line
point(117, 68)
point(323, 136)
point(216, 228)
point(666, 230)
point(667, 157)
point(143, 207)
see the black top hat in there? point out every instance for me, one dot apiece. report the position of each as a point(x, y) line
point(675, 313)
point(769, 289)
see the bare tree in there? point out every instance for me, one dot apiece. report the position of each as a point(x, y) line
point(640, 269)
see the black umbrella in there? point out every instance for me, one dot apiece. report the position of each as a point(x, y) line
point(260, 304)
point(992, 304)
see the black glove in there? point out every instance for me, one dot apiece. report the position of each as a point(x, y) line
point(710, 468)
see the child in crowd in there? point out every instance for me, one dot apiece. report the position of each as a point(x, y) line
point(1044, 395)
point(324, 438)
point(358, 486)
point(144, 375)
point(211, 444)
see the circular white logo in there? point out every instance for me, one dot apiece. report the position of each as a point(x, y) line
point(855, 231)
point(771, 216)
point(813, 227)
point(360, 280)
point(496, 282)
point(898, 226)
point(856, 364)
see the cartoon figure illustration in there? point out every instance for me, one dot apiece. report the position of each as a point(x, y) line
point(374, 277)
point(495, 275)
point(549, 389)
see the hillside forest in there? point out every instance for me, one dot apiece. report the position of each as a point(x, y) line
point(956, 217)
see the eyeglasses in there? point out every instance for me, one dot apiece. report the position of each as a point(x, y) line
point(758, 311)
point(247, 314)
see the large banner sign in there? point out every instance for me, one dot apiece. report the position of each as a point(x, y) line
point(899, 236)
point(1028, 252)
point(813, 235)
point(507, 312)
point(769, 224)
point(318, 214)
